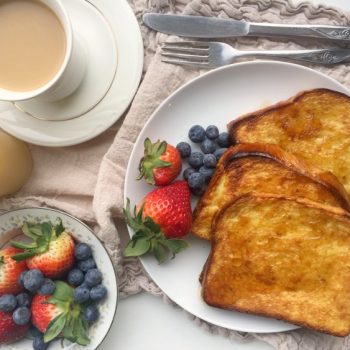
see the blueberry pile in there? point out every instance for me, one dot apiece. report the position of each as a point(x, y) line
point(202, 164)
point(87, 280)
point(19, 306)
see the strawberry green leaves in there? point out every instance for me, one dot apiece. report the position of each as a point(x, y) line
point(63, 291)
point(80, 328)
point(2, 260)
point(41, 234)
point(149, 238)
point(151, 160)
point(59, 228)
point(70, 322)
point(55, 327)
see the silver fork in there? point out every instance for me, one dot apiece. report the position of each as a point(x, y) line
point(201, 54)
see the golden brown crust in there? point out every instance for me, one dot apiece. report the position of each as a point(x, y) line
point(313, 125)
point(280, 317)
point(288, 160)
point(245, 118)
point(283, 267)
point(238, 172)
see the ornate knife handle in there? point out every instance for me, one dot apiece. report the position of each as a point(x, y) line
point(334, 33)
point(287, 30)
point(324, 56)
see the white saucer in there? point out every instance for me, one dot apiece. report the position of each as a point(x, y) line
point(100, 117)
point(98, 44)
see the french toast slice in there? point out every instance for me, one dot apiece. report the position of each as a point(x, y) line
point(282, 258)
point(314, 125)
point(268, 169)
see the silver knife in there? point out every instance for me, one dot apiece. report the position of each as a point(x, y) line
point(211, 27)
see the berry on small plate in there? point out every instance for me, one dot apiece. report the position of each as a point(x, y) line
point(36, 294)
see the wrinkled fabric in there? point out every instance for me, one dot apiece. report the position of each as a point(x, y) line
point(87, 180)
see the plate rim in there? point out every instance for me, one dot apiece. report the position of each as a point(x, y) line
point(156, 111)
point(102, 245)
point(124, 9)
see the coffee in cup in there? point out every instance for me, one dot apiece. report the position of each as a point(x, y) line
point(41, 58)
point(33, 44)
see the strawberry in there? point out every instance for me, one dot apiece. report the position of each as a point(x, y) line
point(161, 218)
point(43, 312)
point(161, 163)
point(170, 208)
point(52, 251)
point(59, 315)
point(10, 332)
point(10, 271)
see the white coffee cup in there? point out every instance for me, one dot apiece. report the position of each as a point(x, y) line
point(71, 72)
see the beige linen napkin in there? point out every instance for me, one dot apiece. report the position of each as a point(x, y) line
point(87, 180)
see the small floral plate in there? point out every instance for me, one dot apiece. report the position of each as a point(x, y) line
point(13, 219)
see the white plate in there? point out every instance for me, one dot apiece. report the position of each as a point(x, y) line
point(216, 98)
point(129, 69)
point(81, 232)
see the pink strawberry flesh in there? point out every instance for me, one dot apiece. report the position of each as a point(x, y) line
point(10, 271)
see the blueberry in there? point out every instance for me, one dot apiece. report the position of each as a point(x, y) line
point(208, 146)
point(187, 172)
point(39, 344)
point(35, 332)
point(85, 285)
point(209, 161)
point(93, 277)
point(21, 316)
point(212, 132)
point(8, 303)
point(206, 172)
point(196, 134)
point(47, 288)
point(86, 265)
point(33, 280)
point(196, 183)
point(82, 251)
point(224, 140)
point(196, 160)
point(81, 294)
point(91, 313)
point(24, 299)
point(197, 191)
point(75, 277)
point(219, 152)
point(98, 293)
point(184, 148)
point(21, 278)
